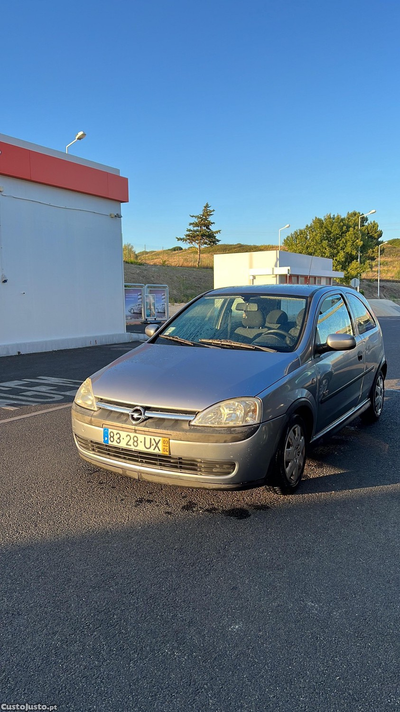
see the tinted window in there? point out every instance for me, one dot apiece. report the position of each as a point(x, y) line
point(362, 316)
point(333, 318)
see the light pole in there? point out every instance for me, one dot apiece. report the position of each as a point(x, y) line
point(282, 228)
point(79, 136)
point(379, 270)
point(359, 245)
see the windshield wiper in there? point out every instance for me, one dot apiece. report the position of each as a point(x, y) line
point(236, 344)
point(179, 340)
point(224, 343)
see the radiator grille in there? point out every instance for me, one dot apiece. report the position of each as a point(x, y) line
point(210, 468)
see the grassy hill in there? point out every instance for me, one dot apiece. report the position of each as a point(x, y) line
point(178, 257)
point(390, 262)
point(184, 283)
point(176, 268)
point(388, 289)
point(389, 275)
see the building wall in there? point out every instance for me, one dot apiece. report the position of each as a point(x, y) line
point(235, 269)
point(305, 263)
point(61, 254)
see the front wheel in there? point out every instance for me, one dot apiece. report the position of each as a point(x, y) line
point(377, 396)
point(290, 458)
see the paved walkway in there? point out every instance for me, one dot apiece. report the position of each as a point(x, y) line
point(384, 307)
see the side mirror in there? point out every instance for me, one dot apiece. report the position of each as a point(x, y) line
point(337, 342)
point(151, 329)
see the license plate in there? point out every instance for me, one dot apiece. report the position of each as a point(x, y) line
point(132, 441)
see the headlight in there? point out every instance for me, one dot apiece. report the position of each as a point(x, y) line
point(84, 396)
point(230, 413)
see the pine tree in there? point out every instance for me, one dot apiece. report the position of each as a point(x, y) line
point(200, 232)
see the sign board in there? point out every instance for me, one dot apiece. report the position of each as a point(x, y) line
point(134, 303)
point(355, 283)
point(157, 302)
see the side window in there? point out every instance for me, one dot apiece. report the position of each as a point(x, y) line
point(333, 318)
point(362, 316)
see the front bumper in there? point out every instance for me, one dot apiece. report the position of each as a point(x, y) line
point(195, 460)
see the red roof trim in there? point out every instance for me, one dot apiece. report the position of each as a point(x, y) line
point(18, 162)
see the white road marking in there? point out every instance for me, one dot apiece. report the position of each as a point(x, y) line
point(36, 391)
point(39, 412)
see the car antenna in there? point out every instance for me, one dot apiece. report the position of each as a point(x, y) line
point(309, 269)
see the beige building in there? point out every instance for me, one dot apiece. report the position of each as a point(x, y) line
point(272, 267)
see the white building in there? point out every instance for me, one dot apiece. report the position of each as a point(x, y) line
point(272, 267)
point(61, 266)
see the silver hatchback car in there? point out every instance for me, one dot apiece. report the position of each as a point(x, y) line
point(230, 392)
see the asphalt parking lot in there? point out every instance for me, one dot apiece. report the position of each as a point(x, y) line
point(123, 595)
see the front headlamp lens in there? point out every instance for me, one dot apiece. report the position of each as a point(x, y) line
point(230, 413)
point(85, 397)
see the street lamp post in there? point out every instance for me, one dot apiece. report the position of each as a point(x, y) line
point(379, 270)
point(79, 136)
point(282, 228)
point(359, 245)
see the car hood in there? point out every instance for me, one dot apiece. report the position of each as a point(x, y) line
point(189, 378)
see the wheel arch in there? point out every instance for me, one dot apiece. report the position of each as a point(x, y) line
point(304, 410)
point(383, 368)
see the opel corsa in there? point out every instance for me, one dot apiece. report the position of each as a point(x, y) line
point(230, 392)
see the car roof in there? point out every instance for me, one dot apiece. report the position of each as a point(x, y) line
point(282, 290)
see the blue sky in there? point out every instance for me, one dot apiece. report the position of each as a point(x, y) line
point(273, 112)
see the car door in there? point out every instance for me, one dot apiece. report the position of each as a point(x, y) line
point(369, 339)
point(339, 373)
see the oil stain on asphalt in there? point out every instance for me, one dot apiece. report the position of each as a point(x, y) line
point(191, 506)
point(235, 512)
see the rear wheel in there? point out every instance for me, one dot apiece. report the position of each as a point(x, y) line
point(290, 458)
point(377, 396)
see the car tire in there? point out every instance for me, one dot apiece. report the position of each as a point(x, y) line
point(377, 397)
point(290, 458)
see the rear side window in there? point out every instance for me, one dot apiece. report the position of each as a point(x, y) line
point(362, 316)
point(333, 318)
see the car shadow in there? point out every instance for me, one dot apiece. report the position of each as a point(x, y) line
point(359, 456)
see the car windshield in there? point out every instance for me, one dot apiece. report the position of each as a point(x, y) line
point(254, 322)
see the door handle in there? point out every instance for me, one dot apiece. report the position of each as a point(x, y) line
point(360, 356)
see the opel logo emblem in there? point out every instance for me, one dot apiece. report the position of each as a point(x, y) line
point(137, 415)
